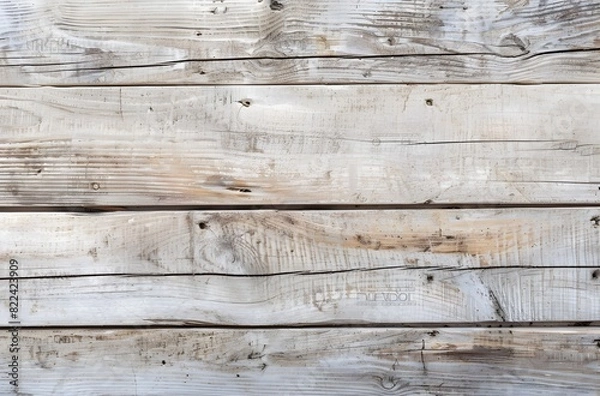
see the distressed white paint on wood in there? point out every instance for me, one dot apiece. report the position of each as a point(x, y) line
point(272, 242)
point(108, 42)
point(542, 361)
point(354, 297)
point(375, 144)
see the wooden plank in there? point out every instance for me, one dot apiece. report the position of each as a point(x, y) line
point(276, 242)
point(140, 42)
point(186, 29)
point(570, 67)
point(377, 144)
point(415, 296)
point(358, 361)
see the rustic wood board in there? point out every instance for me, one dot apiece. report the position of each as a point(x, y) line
point(167, 108)
point(377, 144)
point(344, 298)
point(249, 41)
point(562, 68)
point(358, 361)
point(155, 32)
point(276, 242)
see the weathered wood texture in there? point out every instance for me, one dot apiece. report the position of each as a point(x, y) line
point(571, 67)
point(250, 41)
point(354, 297)
point(276, 242)
point(312, 362)
point(375, 144)
point(167, 147)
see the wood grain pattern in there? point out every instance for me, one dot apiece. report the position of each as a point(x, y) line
point(548, 68)
point(276, 242)
point(141, 42)
point(378, 144)
point(425, 295)
point(460, 361)
point(216, 104)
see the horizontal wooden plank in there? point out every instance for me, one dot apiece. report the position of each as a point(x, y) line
point(543, 361)
point(140, 42)
point(376, 144)
point(154, 32)
point(354, 297)
point(570, 67)
point(275, 242)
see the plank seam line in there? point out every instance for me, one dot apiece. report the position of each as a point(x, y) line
point(301, 273)
point(566, 326)
point(525, 56)
point(100, 209)
point(239, 59)
point(297, 84)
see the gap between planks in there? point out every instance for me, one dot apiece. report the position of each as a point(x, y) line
point(292, 84)
point(402, 267)
point(99, 209)
point(568, 325)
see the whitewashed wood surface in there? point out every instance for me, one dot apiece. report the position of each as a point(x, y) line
point(384, 296)
point(376, 144)
point(166, 116)
point(552, 68)
point(358, 361)
point(249, 41)
point(267, 242)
